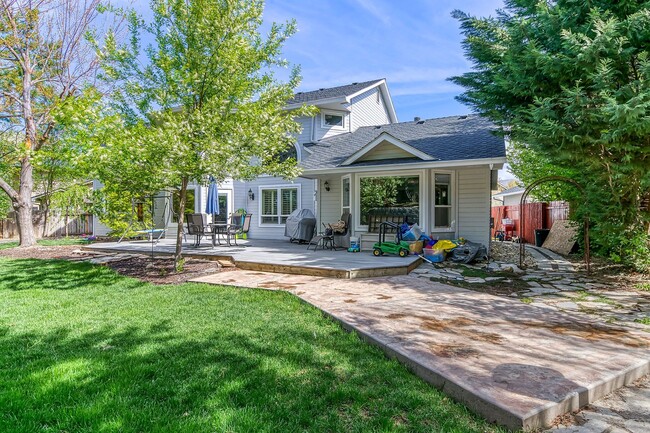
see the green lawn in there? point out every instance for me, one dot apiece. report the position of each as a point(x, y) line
point(83, 349)
point(48, 242)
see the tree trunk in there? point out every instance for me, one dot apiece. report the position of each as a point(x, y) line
point(181, 217)
point(46, 215)
point(67, 213)
point(23, 205)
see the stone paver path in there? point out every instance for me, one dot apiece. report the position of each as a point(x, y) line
point(626, 410)
point(562, 290)
point(516, 364)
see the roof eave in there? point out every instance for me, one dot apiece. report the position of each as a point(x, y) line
point(339, 99)
point(496, 162)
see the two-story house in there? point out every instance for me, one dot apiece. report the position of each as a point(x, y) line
point(357, 158)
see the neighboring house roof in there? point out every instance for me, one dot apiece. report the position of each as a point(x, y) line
point(332, 92)
point(444, 139)
point(510, 191)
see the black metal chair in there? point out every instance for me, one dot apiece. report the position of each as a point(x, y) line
point(197, 225)
point(238, 227)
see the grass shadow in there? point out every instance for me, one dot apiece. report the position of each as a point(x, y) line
point(193, 358)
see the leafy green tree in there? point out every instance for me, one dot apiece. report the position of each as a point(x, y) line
point(572, 81)
point(72, 202)
point(206, 100)
point(46, 66)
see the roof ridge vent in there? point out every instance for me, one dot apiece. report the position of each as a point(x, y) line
point(420, 122)
point(462, 117)
point(355, 83)
point(321, 89)
point(377, 126)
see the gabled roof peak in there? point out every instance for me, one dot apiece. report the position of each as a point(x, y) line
point(331, 92)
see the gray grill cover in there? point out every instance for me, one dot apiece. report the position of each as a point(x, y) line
point(300, 225)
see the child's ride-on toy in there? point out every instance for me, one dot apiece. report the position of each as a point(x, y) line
point(398, 247)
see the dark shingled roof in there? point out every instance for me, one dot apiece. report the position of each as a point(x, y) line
point(445, 139)
point(332, 92)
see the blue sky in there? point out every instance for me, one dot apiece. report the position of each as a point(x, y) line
point(414, 44)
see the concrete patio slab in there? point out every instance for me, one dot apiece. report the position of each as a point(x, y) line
point(517, 365)
point(278, 256)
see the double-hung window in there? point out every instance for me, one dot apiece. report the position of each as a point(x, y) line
point(443, 201)
point(277, 203)
point(345, 194)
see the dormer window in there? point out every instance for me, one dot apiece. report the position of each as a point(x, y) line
point(333, 119)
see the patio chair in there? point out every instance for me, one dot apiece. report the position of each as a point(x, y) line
point(336, 235)
point(342, 239)
point(238, 227)
point(197, 225)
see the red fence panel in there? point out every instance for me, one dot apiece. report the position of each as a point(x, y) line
point(538, 216)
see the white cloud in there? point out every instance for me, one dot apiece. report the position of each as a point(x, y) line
point(371, 7)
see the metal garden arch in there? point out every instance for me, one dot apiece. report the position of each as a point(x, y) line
point(522, 228)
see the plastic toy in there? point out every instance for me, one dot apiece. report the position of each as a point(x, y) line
point(355, 249)
point(398, 247)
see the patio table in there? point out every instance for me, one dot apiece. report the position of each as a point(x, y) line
point(221, 229)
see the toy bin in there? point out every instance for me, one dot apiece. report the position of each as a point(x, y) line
point(354, 242)
point(435, 256)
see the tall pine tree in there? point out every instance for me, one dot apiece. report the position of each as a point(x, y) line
point(571, 81)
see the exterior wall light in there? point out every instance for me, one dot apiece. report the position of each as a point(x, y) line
point(251, 195)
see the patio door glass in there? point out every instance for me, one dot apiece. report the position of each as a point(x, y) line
point(224, 208)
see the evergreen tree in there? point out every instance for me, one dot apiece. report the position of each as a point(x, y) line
point(571, 80)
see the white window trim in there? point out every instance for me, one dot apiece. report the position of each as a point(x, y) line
point(334, 113)
point(454, 201)
point(298, 152)
point(349, 207)
point(296, 186)
point(423, 197)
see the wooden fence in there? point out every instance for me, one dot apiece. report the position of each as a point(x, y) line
point(538, 216)
point(56, 226)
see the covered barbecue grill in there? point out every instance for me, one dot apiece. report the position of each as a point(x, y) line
point(300, 225)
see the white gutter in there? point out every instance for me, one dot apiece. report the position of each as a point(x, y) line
point(498, 163)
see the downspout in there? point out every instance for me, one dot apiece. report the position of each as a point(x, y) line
point(489, 251)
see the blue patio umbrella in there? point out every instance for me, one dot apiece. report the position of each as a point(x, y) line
point(212, 205)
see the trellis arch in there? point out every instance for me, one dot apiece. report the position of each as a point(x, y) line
point(522, 208)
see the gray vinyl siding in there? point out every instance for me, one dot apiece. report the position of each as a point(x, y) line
point(367, 111)
point(473, 186)
point(321, 132)
point(241, 200)
point(329, 203)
